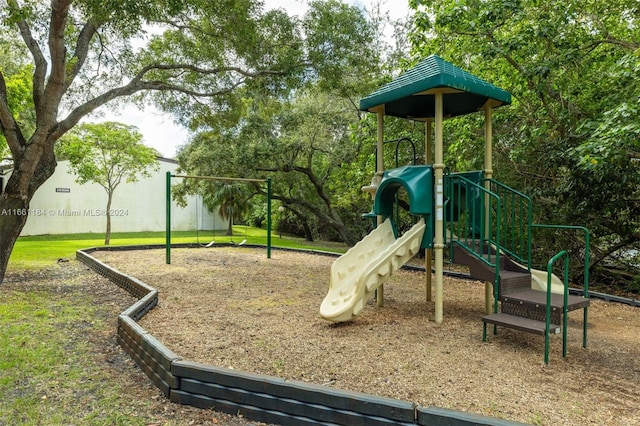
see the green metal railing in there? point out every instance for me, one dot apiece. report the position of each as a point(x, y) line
point(496, 218)
point(587, 254)
point(398, 142)
point(565, 280)
point(515, 221)
point(473, 212)
point(507, 211)
point(488, 218)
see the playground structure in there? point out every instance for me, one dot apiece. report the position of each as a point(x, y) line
point(483, 223)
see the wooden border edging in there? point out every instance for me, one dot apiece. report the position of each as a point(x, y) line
point(256, 396)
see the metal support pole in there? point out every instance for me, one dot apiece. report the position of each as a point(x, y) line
point(168, 219)
point(379, 172)
point(268, 218)
point(488, 174)
point(428, 253)
point(438, 168)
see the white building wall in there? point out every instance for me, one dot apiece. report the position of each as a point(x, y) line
point(62, 206)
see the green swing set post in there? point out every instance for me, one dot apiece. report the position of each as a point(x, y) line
point(168, 219)
point(168, 207)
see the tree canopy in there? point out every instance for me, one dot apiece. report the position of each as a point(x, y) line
point(303, 144)
point(570, 138)
point(191, 56)
point(276, 95)
point(107, 154)
point(307, 138)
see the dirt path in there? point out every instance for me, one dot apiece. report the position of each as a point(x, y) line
point(232, 307)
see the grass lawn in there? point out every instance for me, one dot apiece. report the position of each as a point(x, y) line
point(60, 363)
point(59, 360)
point(35, 252)
point(43, 361)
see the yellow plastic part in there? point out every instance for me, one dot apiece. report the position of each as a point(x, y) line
point(539, 282)
point(360, 271)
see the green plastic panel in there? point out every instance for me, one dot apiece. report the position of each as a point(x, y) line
point(418, 182)
point(404, 96)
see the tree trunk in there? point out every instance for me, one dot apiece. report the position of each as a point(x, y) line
point(30, 171)
point(346, 235)
point(308, 235)
point(107, 234)
point(230, 227)
point(13, 217)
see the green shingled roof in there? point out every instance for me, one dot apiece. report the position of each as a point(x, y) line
point(405, 96)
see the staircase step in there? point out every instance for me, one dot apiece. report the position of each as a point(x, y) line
point(514, 282)
point(514, 274)
point(520, 323)
point(477, 268)
point(539, 298)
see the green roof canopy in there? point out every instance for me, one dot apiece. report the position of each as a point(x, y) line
point(411, 95)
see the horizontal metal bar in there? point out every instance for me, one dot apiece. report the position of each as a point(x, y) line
point(219, 178)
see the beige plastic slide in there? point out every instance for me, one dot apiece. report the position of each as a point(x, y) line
point(539, 282)
point(357, 273)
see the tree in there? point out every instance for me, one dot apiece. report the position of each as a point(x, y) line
point(232, 201)
point(303, 145)
point(83, 57)
point(107, 154)
point(308, 138)
point(17, 73)
point(570, 138)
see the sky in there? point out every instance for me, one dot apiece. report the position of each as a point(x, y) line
point(162, 133)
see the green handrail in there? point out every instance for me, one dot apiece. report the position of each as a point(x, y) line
point(587, 254)
point(517, 216)
point(510, 216)
point(470, 230)
point(564, 304)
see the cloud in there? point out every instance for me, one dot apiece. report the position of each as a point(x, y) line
point(158, 129)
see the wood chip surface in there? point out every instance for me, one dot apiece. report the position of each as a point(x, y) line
point(232, 307)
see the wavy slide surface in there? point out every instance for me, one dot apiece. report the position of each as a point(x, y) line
point(356, 274)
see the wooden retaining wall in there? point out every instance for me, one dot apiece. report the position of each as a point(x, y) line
point(255, 396)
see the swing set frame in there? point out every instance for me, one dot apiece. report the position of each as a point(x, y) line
point(218, 178)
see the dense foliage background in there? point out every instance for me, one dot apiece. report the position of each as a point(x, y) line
point(268, 94)
point(571, 139)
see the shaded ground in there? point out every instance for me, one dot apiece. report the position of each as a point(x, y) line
point(95, 382)
point(232, 307)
